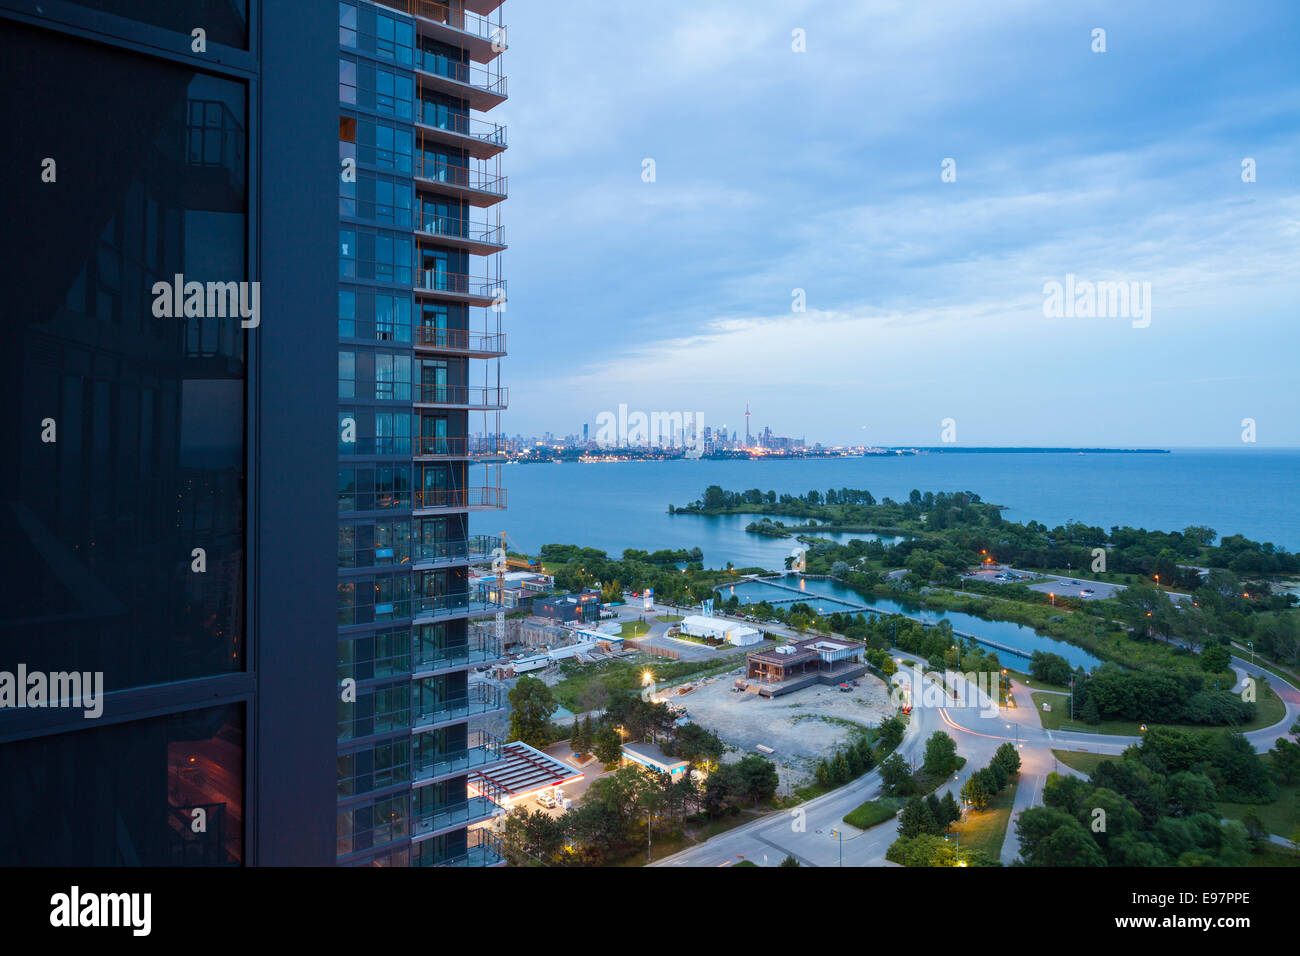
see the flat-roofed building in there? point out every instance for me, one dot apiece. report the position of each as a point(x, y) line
point(818, 660)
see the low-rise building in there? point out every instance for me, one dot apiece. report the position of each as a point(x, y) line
point(720, 629)
point(818, 660)
point(580, 608)
point(652, 758)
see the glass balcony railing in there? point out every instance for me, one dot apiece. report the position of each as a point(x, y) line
point(468, 499)
point(451, 605)
point(463, 177)
point(482, 749)
point(458, 19)
point(483, 849)
point(474, 396)
point(454, 283)
point(477, 548)
point(439, 117)
point(481, 646)
point(438, 447)
point(460, 340)
point(473, 810)
point(457, 227)
point(480, 699)
point(465, 73)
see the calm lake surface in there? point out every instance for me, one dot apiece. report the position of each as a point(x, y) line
point(827, 597)
point(620, 505)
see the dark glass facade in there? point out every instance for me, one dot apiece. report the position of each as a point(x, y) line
point(162, 531)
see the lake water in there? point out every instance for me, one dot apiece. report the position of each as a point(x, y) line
point(621, 505)
point(827, 597)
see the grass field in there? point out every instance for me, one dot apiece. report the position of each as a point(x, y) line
point(873, 813)
point(1085, 763)
point(985, 830)
point(1281, 817)
point(630, 629)
point(1269, 711)
point(626, 675)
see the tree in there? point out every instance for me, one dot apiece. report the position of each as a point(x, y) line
point(951, 811)
point(1008, 758)
point(896, 775)
point(607, 744)
point(789, 861)
point(940, 755)
point(696, 744)
point(1215, 659)
point(891, 732)
point(916, 819)
point(532, 704)
point(975, 792)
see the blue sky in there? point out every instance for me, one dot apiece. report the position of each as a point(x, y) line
point(821, 171)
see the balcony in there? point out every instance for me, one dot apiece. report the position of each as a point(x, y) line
point(474, 449)
point(473, 344)
point(477, 238)
point(483, 801)
point(481, 89)
point(429, 608)
point(481, 646)
point(482, 139)
point(483, 749)
point(482, 498)
point(428, 554)
point(474, 397)
point(481, 699)
point(468, 29)
point(475, 290)
point(484, 849)
point(478, 187)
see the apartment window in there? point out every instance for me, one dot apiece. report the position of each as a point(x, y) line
point(384, 146)
point(374, 487)
point(384, 654)
point(149, 409)
point(347, 375)
point(379, 598)
point(371, 826)
point(384, 765)
point(126, 794)
point(375, 711)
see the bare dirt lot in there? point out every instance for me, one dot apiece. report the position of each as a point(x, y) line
point(801, 727)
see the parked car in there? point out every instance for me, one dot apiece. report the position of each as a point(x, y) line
point(546, 799)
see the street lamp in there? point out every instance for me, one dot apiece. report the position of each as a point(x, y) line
point(957, 840)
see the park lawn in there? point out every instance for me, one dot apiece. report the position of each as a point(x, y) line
point(625, 675)
point(985, 830)
point(669, 618)
point(630, 629)
point(1034, 683)
point(1269, 711)
point(1083, 762)
point(1281, 817)
point(873, 812)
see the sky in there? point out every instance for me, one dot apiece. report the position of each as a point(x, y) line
point(823, 171)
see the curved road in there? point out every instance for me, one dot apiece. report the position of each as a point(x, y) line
point(979, 729)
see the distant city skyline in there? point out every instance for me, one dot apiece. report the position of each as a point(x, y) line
point(924, 299)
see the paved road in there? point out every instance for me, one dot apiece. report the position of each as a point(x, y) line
point(978, 730)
